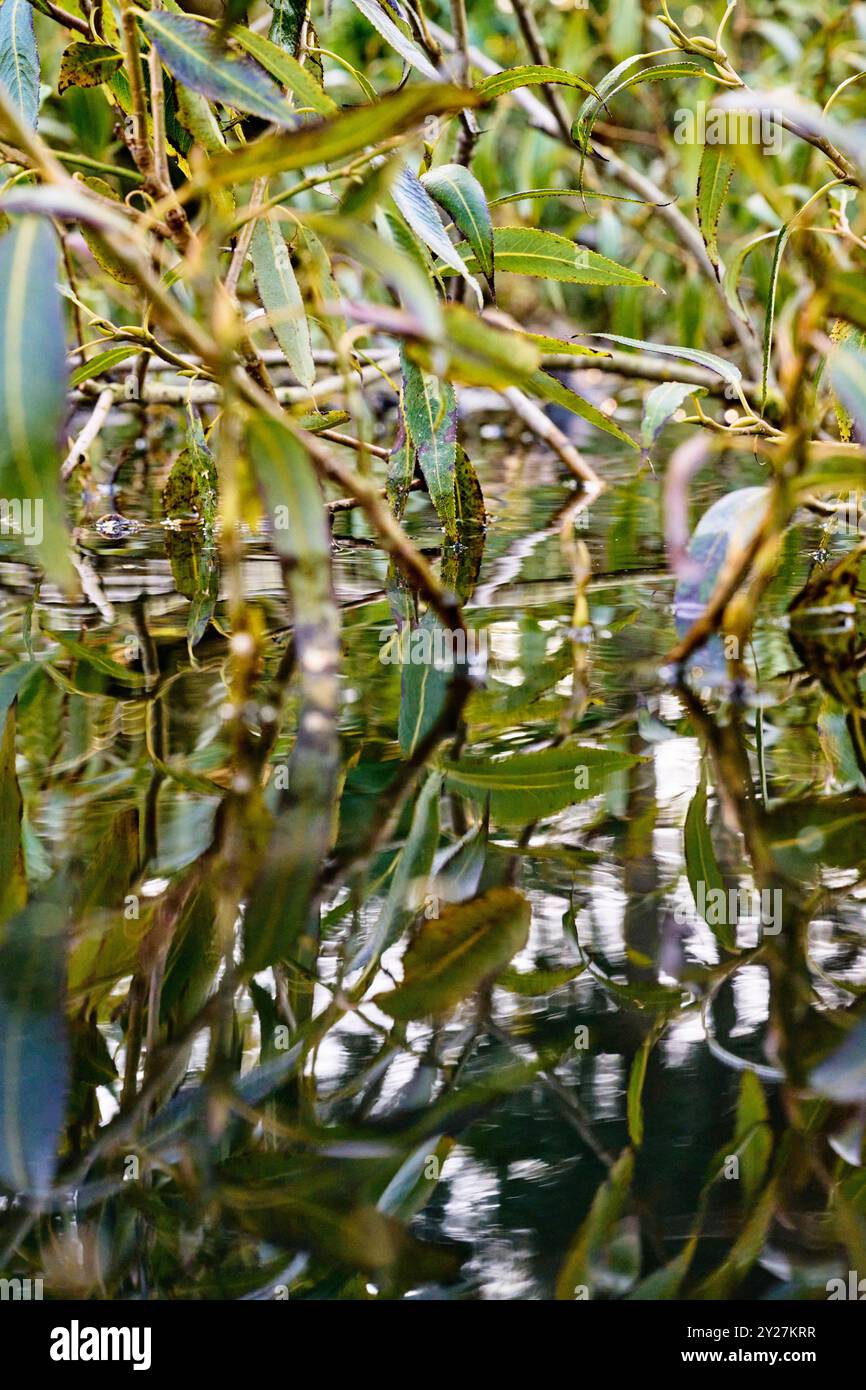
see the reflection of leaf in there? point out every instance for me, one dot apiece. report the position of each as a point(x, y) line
point(13, 885)
point(754, 1129)
point(34, 1047)
point(817, 831)
point(704, 874)
point(452, 955)
point(716, 172)
point(605, 1212)
point(528, 786)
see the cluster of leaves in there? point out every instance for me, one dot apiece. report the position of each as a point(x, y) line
point(200, 216)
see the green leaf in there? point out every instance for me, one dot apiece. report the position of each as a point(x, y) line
point(532, 75)
point(726, 370)
point(528, 251)
point(394, 266)
point(96, 659)
point(532, 983)
point(33, 385)
point(848, 375)
point(287, 24)
point(714, 178)
point(702, 868)
point(454, 954)
point(193, 54)
point(19, 57)
point(34, 1047)
point(770, 314)
point(419, 210)
point(634, 1100)
point(321, 142)
point(400, 42)
point(87, 65)
point(102, 364)
point(288, 72)
point(753, 1137)
point(190, 494)
point(604, 1214)
point(469, 499)
point(401, 470)
point(611, 85)
point(461, 195)
point(281, 297)
point(550, 388)
point(525, 787)
point(100, 252)
point(661, 403)
point(430, 408)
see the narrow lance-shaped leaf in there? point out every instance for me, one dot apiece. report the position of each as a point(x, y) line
point(461, 195)
point(288, 71)
point(528, 251)
point(550, 388)
point(191, 51)
point(281, 297)
point(34, 1047)
point(532, 75)
point(714, 179)
point(848, 375)
point(430, 406)
point(454, 954)
point(726, 370)
point(320, 142)
point(420, 212)
point(704, 874)
point(19, 57)
point(606, 1210)
point(528, 786)
point(400, 42)
point(32, 390)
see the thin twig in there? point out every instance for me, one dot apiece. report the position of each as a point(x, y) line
point(78, 453)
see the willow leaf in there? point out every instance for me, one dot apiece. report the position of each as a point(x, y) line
point(430, 407)
point(288, 72)
point(532, 75)
point(193, 54)
point(714, 179)
point(400, 42)
point(550, 388)
point(281, 297)
point(421, 213)
point(19, 57)
point(529, 251)
point(461, 195)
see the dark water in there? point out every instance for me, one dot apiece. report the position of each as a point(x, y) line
point(606, 878)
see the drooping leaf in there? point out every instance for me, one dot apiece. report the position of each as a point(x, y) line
point(616, 82)
point(728, 371)
point(452, 955)
point(34, 1047)
point(430, 407)
point(87, 65)
point(100, 252)
point(753, 1137)
point(525, 787)
point(190, 493)
point(323, 141)
point(529, 251)
point(550, 388)
point(19, 57)
point(192, 53)
point(714, 179)
point(400, 42)
point(461, 195)
point(661, 404)
point(33, 387)
point(469, 498)
point(419, 210)
point(281, 297)
point(532, 75)
point(309, 94)
point(480, 353)
point(634, 1097)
